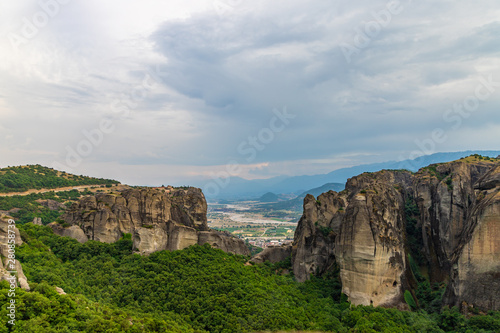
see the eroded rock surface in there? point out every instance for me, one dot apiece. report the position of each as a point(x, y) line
point(7, 266)
point(363, 230)
point(157, 219)
point(475, 272)
point(313, 246)
point(273, 254)
point(370, 247)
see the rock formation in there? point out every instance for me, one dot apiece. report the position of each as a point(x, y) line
point(273, 254)
point(313, 245)
point(363, 229)
point(7, 265)
point(475, 272)
point(51, 204)
point(370, 247)
point(157, 219)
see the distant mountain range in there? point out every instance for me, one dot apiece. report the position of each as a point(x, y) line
point(269, 197)
point(239, 188)
point(296, 204)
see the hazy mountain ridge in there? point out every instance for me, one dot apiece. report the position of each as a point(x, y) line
point(239, 188)
point(296, 203)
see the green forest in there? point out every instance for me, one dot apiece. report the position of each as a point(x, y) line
point(27, 207)
point(199, 289)
point(23, 178)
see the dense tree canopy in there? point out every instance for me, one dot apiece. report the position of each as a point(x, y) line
point(198, 289)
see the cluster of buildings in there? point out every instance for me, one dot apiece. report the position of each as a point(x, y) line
point(264, 243)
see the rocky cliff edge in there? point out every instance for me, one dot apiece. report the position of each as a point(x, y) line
point(365, 230)
point(158, 219)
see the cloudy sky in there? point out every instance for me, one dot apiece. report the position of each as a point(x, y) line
point(152, 92)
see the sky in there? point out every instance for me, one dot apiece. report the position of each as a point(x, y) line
point(179, 91)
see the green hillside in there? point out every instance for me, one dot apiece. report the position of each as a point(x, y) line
point(43, 310)
point(27, 207)
point(34, 205)
point(198, 289)
point(23, 178)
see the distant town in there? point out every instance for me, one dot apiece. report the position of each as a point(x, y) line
point(255, 225)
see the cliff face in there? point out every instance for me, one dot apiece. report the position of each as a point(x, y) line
point(446, 197)
point(157, 219)
point(475, 274)
point(370, 247)
point(363, 230)
point(312, 250)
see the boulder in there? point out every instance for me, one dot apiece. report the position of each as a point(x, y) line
point(73, 231)
point(273, 254)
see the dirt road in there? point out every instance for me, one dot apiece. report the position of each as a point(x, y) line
point(44, 190)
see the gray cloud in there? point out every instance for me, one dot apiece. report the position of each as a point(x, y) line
point(222, 75)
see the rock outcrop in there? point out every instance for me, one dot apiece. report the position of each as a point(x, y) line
point(73, 231)
point(314, 240)
point(363, 229)
point(157, 219)
point(273, 254)
point(7, 265)
point(51, 204)
point(446, 197)
point(475, 273)
point(370, 247)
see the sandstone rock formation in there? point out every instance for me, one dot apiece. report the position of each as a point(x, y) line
point(475, 274)
point(273, 254)
point(51, 204)
point(60, 291)
point(157, 219)
point(73, 231)
point(363, 230)
point(370, 247)
point(313, 245)
point(6, 266)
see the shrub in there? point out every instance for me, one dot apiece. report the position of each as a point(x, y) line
point(409, 300)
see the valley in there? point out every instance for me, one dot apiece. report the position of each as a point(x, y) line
point(257, 225)
point(163, 259)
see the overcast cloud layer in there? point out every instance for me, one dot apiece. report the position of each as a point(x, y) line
point(153, 93)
